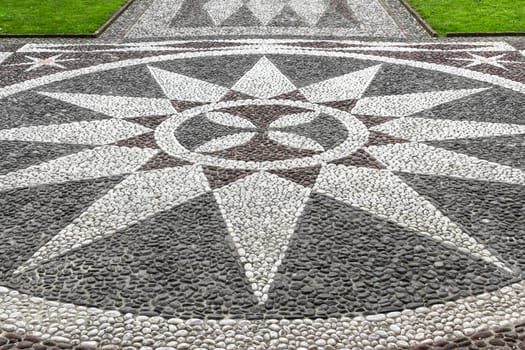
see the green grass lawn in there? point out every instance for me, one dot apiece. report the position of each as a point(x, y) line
point(472, 15)
point(55, 16)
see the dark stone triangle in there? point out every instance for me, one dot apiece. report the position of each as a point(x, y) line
point(178, 263)
point(220, 70)
point(32, 216)
point(372, 120)
point(163, 160)
point(306, 70)
point(343, 261)
point(337, 15)
point(505, 150)
point(219, 177)
point(233, 95)
point(198, 130)
point(260, 148)
point(341, 7)
point(242, 18)
point(30, 108)
point(21, 154)
point(287, 18)
point(181, 106)
point(346, 105)
point(398, 80)
point(142, 141)
point(491, 212)
point(135, 81)
point(325, 129)
point(303, 176)
point(262, 115)
point(295, 95)
point(149, 122)
point(360, 158)
point(376, 138)
point(191, 14)
point(495, 105)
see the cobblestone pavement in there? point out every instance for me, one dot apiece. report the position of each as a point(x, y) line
point(262, 194)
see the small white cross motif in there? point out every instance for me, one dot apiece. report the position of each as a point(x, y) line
point(477, 60)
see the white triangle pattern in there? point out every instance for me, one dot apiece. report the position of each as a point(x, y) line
point(180, 87)
point(220, 10)
point(309, 10)
point(89, 164)
point(261, 212)
point(295, 140)
point(265, 10)
point(423, 129)
point(344, 87)
point(138, 197)
point(117, 106)
point(4, 55)
point(264, 80)
point(383, 194)
point(407, 104)
point(423, 159)
point(97, 132)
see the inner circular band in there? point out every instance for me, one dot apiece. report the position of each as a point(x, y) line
point(357, 136)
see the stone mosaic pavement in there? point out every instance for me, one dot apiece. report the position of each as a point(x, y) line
point(168, 18)
point(262, 193)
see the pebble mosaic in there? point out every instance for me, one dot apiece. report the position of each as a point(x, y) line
point(260, 194)
point(171, 18)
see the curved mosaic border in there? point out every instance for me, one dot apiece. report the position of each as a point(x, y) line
point(52, 320)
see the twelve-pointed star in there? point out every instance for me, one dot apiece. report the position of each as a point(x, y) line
point(260, 208)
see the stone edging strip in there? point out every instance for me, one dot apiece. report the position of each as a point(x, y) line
point(419, 19)
point(482, 34)
point(96, 34)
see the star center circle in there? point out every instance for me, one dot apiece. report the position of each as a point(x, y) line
point(261, 134)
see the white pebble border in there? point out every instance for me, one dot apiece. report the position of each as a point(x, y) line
point(112, 330)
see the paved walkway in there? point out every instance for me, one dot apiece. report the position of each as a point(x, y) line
point(250, 193)
point(267, 18)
